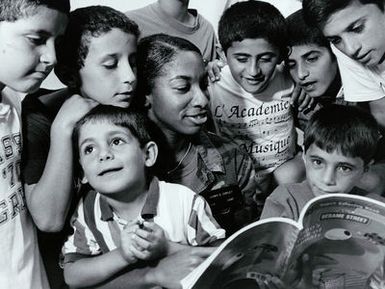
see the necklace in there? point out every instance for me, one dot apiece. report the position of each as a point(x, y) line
point(181, 160)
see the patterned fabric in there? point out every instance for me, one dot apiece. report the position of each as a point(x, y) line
point(261, 124)
point(184, 216)
point(20, 262)
point(226, 179)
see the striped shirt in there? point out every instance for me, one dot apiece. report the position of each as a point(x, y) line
point(184, 216)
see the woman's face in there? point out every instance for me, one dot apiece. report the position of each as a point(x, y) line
point(178, 101)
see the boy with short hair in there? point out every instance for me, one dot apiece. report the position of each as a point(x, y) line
point(250, 102)
point(28, 32)
point(339, 146)
point(128, 215)
point(96, 60)
point(355, 30)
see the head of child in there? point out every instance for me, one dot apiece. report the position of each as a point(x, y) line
point(353, 26)
point(339, 145)
point(253, 38)
point(28, 32)
point(96, 57)
point(116, 150)
point(172, 84)
point(311, 63)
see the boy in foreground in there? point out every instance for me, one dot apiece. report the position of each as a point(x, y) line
point(128, 216)
point(28, 32)
point(339, 145)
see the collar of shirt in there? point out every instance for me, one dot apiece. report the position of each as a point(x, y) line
point(148, 211)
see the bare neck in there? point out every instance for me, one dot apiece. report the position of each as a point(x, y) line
point(177, 9)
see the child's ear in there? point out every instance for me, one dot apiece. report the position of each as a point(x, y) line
point(221, 54)
point(150, 153)
point(84, 180)
point(148, 101)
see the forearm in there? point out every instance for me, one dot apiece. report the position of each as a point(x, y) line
point(94, 270)
point(54, 189)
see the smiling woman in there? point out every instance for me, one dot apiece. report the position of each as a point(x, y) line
point(172, 85)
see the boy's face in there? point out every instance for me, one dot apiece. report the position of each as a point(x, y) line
point(358, 31)
point(27, 48)
point(179, 97)
point(109, 72)
point(312, 67)
point(331, 172)
point(111, 157)
point(252, 63)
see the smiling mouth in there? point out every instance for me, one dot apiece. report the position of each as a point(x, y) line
point(254, 80)
point(109, 171)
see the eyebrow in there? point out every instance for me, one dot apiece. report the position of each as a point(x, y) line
point(309, 53)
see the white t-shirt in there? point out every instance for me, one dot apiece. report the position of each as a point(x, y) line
point(360, 83)
point(20, 263)
point(262, 124)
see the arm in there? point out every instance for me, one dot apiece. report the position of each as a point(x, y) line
point(94, 270)
point(55, 185)
point(167, 273)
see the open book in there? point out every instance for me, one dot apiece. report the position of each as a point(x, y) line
point(338, 242)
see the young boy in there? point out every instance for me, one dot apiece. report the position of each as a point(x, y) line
point(28, 32)
point(313, 67)
point(96, 59)
point(340, 143)
point(128, 215)
point(250, 102)
point(355, 30)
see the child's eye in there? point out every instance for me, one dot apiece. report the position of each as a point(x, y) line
point(241, 59)
point(316, 162)
point(183, 89)
point(110, 64)
point(345, 169)
point(88, 149)
point(117, 141)
point(357, 29)
point(312, 59)
point(334, 40)
point(290, 64)
point(36, 40)
point(265, 59)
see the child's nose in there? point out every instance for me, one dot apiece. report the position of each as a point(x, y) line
point(128, 74)
point(48, 55)
point(329, 177)
point(105, 154)
point(254, 68)
point(302, 72)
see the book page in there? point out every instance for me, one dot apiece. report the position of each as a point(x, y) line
point(258, 251)
point(342, 243)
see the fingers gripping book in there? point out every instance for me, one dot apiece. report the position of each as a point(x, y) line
point(338, 242)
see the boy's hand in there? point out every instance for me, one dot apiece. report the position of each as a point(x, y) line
point(150, 241)
point(214, 69)
point(301, 100)
point(172, 269)
point(127, 248)
point(73, 109)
